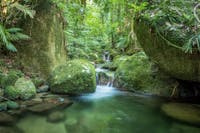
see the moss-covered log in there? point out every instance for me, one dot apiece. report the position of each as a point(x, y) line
point(46, 49)
point(172, 60)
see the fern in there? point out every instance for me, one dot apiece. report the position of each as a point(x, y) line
point(24, 9)
point(8, 36)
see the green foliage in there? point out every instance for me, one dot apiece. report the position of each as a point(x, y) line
point(11, 13)
point(176, 21)
point(8, 36)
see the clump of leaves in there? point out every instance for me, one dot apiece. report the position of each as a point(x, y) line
point(12, 11)
point(176, 21)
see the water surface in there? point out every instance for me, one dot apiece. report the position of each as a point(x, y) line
point(109, 111)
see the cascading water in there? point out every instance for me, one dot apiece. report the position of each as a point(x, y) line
point(106, 56)
point(104, 87)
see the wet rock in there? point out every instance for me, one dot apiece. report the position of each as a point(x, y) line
point(74, 77)
point(43, 88)
point(189, 113)
point(23, 89)
point(136, 73)
point(50, 104)
point(3, 106)
point(6, 118)
point(56, 116)
point(12, 105)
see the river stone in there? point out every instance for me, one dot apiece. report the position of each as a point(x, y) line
point(74, 77)
point(6, 118)
point(23, 89)
point(56, 116)
point(3, 106)
point(12, 105)
point(189, 113)
point(43, 88)
point(49, 105)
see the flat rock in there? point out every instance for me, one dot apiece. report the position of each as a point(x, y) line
point(50, 104)
point(189, 113)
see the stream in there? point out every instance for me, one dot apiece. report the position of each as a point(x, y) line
point(108, 110)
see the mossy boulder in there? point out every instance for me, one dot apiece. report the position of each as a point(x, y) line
point(76, 76)
point(137, 73)
point(171, 60)
point(9, 78)
point(189, 113)
point(23, 89)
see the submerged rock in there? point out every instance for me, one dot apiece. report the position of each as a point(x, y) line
point(50, 104)
point(56, 116)
point(23, 89)
point(6, 118)
point(74, 77)
point(189, 113)
point(135, 73)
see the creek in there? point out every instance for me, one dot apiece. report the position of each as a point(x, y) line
point(108, 110)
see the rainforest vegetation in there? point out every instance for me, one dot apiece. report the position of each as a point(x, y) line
point(99, 66)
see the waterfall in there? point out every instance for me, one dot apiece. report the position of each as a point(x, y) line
point(104, 77)
point(106, 57)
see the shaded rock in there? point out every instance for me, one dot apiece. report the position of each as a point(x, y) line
point(3, 106)
point(6, 118)
point(56, 116)
point(46, 49)
point(23, 89)
point(43, 88)
point(189, 113)
point(170, 59)
point(75, 77)
point(12, 105)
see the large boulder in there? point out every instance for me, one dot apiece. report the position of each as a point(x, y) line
point(76, 76)
point(137, 73)
point(46, 49)
point(172, 60)
point(23, 89)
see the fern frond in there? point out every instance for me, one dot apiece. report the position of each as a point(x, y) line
point(11, 47)
point(25, 9)
point(3, 36)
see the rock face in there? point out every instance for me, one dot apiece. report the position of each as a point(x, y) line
point(75, 77)
point(46, 49)
point(135, 73)
point(23, 89)
point(170, 59)
point(184, 112)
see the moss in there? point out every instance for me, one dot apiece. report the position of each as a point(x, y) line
point(76, 76)
point(10, 78)
point(11, 92)
point(23, 89)
point(135, 74)
point(171, 60)
point(46, 49)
